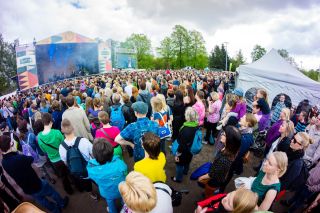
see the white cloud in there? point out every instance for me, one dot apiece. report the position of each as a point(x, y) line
point(288, 24)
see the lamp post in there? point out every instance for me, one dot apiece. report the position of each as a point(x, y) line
point(226, 43)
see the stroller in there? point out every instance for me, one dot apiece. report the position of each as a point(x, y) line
point(259, 144)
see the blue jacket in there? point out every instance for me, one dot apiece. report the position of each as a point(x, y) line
point(108, 176)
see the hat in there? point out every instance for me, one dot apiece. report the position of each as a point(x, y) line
point(3, 125)
point(238, 92)
point(140, 107)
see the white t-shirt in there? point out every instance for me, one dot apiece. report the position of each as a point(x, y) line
point(85, 147)
point(164, 202)
point(128, 89)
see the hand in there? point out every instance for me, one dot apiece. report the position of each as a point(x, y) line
point(200, 210)
point(176, 158)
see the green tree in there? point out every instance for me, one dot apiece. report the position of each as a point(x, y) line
point(180, 39)
point(166, 51)
point(8, 66)
point(257, 52)
point(197, 50)
point(141, 44)
point(237, 60)
point(284, 53)
point(217, 59)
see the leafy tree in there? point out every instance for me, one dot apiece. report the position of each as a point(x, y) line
point(284, 53)
point(217, 59)
point(141, 44)
point(180, 39)
point(237, 60)
point(8, 66)
point(166, 50)
point(257, 52)
point(313, 74)
point(197, 50)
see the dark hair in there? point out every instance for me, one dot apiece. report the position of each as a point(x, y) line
point(142, 85)
point(22, 126)
point(233, 141)
point(191, 94)
point(5, 143)
point(179, 98)
point(102, 150)
point(46, 118)
point(38, 126)
point(70, 101)
point(151, 143)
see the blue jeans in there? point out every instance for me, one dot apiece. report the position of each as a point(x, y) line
point(181, 170)
point(48, 191)
point(112, 205)
point(8, 120)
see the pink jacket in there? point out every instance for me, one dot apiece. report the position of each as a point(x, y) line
point(214, 112)
point(200, 108)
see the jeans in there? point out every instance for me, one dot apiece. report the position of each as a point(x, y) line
point(8, 120)
point(48, 191)
point(163, 146)
point(112, 205)
point(181, 170)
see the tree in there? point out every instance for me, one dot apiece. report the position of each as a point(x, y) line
point(237, 60)
point(8, 65)
point(217, 59)
point(257, 52)
point(180, 39)
point(141, 44)
point(285, 54)
point(197, 50)
point(166, 50)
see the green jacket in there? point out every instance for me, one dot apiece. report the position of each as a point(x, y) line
point(54, 139)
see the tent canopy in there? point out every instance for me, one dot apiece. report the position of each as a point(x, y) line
point(276, 75)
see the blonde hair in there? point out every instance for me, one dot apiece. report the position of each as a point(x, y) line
point(251, 119)
point(214, 96)
point(264, 93)
point(163, 100)
point(282, 161)
point(156, 104)
point(66, 126)
point(138, 192)
point(244, 201)
point(306, 140)
point(287, 112)
point(289, 128)
point(191, 114)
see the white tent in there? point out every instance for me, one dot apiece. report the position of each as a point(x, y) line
point(276, 75)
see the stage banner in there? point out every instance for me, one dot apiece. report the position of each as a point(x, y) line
point(104, 57)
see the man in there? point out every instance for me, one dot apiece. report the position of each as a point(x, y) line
point(85, 148)
point(49, 141)
point(278, 108)
point(134, 131)
point(312, 153)
point(145, 96)
point(128, 88)
point(19, 168)
point(78, 119)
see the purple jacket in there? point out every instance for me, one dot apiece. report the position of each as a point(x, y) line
point(273, 133)
point(241, 109)
point(264, 121)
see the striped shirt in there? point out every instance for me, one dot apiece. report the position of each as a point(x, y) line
point(300, 127)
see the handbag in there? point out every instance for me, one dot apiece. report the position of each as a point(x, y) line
point(244, 182)
point(174, 147)
point(202, 170)
point(164, 131)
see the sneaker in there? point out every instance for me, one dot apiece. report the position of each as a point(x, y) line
point(204, 142)
point(94, 196)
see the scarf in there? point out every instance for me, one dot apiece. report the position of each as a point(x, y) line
point(294, 154)
point(189, 124)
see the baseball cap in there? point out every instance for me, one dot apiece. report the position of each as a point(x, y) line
point(140, 107)
point(238, 92)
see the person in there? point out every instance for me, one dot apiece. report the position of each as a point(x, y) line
point(152, 166)
point(312, 153)
point(241, 106)
point(134, 131)
point(278, 109)
point(295, 153)
point(127, 111)
point(216, 177)
point(178, 111)
point(19, 168)
point(128, 88)
point(170, 98)
point(240, 201)
point(145, 96)
point(56, 115)
point(116, 113)
point(109, 133)
point(49, 141)
point(213, 116)
point(78, 119)
point(140, 195)
point(267, 183)
point(135, 93)
point(199, 106)
point(93, 113)
point(85, 148)
point(107, 171)
point(262, 113)
point(185, 139)
point(302, 122)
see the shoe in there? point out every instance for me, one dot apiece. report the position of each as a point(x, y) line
point(204, 142)
point(65, 202)
point(94, 196)
point(175, 180)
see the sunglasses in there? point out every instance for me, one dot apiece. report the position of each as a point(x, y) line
point(295, 141)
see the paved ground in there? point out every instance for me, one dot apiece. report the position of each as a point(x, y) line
point(82, 203)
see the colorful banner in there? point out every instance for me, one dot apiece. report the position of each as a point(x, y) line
point(104, 57)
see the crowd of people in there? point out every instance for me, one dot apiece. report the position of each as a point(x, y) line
point(79, 130)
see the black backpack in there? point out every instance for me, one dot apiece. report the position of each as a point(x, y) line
point(75, 161)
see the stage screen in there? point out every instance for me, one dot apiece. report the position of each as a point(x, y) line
point(66, 60)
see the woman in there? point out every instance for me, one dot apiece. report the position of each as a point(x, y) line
point(96, 108)
point(216, 177)
point(56, 115)
point(109, 133)
point(107, 171)
point(213, 116)
point(128, 112)
point(89, 105)
point(267, 183)
point(140, 195)
point(221, 90)
point(178, 111)
point(135, 93)
point(44, 106)
point(295, 153)
point(185, 139)
point(241, 106)
point(199, 106)
point(189, 100)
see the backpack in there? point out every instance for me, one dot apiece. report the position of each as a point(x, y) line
point(27, 150)
point(197, 143)
point(75, 161)
point(117, 118)
point(301, 178)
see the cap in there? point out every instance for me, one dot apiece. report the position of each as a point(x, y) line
point(140, 107)
point(238, 92)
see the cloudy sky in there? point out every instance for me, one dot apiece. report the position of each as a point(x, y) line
point(288, 24)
